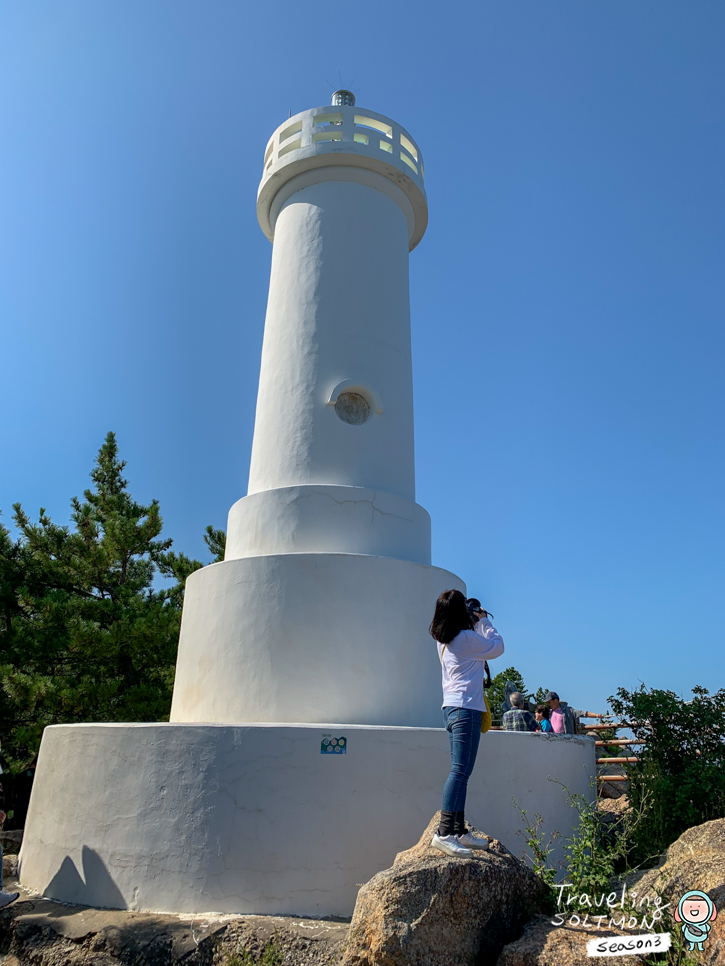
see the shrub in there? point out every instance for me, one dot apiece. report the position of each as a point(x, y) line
point(680, 775)
point(596, 851)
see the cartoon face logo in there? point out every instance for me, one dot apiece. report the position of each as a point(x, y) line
point(695, 912)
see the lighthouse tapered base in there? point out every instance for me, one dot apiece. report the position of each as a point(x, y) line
point(265, 818)
point(311, 637)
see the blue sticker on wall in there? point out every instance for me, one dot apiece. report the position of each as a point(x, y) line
point(333, 746)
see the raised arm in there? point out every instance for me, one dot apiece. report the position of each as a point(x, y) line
point(490, 645)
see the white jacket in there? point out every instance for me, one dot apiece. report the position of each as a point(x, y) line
point(462, 662)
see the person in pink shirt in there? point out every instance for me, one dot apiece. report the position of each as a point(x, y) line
point(562, 717)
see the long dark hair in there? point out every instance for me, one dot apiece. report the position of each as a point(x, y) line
point(450, 618)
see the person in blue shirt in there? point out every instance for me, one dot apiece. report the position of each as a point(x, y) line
point(542, 718)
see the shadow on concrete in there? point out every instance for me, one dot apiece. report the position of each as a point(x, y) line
point(94, 888)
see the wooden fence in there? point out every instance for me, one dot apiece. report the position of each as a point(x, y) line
point(600, 743)
point(606, 743)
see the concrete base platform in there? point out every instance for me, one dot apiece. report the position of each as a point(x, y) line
point(264, 819)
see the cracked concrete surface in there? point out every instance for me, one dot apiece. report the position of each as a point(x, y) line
point(326, 518)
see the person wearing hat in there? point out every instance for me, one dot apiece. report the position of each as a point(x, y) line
point(563, 721)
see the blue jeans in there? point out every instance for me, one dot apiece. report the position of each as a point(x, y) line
point(464, 728)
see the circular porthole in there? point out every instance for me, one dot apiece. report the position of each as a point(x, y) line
point(353, 408)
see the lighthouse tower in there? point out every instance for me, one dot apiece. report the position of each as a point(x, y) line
point(320, 610)
point(305, 746)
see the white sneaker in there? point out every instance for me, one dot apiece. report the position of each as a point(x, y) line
point(7, 897)
point(470, 841)
point(451, 846)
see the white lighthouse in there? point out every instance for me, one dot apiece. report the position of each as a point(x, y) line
point(320, 610)
point(305, 745)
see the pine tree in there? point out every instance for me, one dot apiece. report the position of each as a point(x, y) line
point(497, 692)
point(84, 633)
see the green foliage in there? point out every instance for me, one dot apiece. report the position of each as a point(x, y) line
point(85, 635)
point(216, 541)
point(540, 846)
point(497, 692)
point(610, 734)
point(679, 953)
point(271, 956)
point(597, 850)
point(680, 775)
point(238, 959)
point(678, 782)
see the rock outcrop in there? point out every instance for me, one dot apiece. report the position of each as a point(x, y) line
point(10, 867)
point(427, 910)
point(612, 789)
point(37, 932)
point(695, 861)
point(613, 809)
point(612, 812)
point(431, 909)
point(545, 945)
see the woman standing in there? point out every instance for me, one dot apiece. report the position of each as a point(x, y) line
point(464, 645)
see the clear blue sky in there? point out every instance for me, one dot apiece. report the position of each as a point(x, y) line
point(567, 299)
